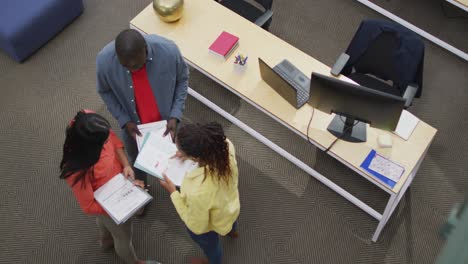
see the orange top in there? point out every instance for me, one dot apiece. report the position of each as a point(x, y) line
point(107, 167)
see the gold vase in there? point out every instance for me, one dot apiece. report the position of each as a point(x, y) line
point(169, 10)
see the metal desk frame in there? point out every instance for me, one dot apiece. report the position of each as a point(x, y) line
point(394, 198)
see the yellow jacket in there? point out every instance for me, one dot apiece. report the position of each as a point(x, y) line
point(209, 205)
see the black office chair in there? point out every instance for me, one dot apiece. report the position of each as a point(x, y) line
point(385, 56)
point(251, 12)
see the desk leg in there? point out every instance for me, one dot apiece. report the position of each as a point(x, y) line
point(403, 190)
point(395, 199)
point(392, 202)
point(391, 206)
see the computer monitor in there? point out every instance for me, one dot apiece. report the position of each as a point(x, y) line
point(354, 104)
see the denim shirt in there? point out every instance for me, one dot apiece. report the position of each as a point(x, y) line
point(167, 75)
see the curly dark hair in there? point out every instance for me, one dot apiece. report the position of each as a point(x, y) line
point(208, 144)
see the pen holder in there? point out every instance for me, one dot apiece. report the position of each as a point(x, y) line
point(240, 63)
point(240, 68)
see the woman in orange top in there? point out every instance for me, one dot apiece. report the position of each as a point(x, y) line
point(92, 155)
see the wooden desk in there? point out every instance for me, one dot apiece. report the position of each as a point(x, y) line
point(204, 20)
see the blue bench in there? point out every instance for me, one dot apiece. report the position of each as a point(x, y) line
point(26, 25)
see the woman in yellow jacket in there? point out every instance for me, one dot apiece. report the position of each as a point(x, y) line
point(208, 201)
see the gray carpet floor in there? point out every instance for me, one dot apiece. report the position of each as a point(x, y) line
point(287, 216)
point(441, 18)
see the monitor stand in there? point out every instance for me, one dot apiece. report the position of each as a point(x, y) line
point(352, 132)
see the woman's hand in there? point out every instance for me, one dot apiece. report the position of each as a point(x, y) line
point(167, 184)
point(140, 184)
point(128, 172)
point(179, 156)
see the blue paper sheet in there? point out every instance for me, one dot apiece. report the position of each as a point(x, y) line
point(365, 165)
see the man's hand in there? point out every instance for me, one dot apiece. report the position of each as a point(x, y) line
point(132, 129)
point(128, 172)
point(171, 127)
point(167, 184)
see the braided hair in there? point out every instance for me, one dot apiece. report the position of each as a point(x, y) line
point(206, 143)
point(85, 138)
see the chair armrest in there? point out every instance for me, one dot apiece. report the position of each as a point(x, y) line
point(339, 64)
point(264, 18)
point(409, 94)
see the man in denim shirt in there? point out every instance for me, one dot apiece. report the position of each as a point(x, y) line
point(142, 79)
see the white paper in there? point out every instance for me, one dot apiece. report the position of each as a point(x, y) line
point(155, 158)
point(177, 170)
point(406, 125)
point(120, 198)
point(386, 168)
point(156, 127)
point(152, 126)
point(155, 154)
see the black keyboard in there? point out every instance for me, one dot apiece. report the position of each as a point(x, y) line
point(302, 96)
point(302, 92)
point(288, 66)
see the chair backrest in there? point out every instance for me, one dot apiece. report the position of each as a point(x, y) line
point(378, 59)
point(267, 4)
point(388, 51)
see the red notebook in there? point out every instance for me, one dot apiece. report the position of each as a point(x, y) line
point(224, 44)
